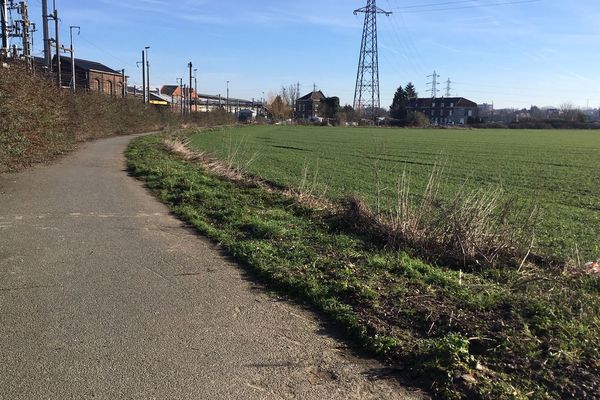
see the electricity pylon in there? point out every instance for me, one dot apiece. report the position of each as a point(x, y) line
point(366, 93)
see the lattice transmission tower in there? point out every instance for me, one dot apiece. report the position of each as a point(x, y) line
point(366, 93)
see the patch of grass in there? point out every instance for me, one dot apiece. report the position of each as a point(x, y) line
point(494, 333)
point(555, 169)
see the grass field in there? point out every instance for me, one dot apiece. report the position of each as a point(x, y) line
point(492, 332)
point(558, 170)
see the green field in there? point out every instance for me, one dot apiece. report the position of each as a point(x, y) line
point(558, 170)
point(528, 333)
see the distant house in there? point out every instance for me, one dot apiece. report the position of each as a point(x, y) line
point(445, 110)
point(307, 106)
point(92, 76)
point(176, 91)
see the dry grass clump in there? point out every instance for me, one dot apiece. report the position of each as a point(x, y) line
point(231, 168)
point(235, 168)
point(475, 227)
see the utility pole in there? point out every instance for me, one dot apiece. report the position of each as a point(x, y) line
point(124, 84)
point(366, 93)
point(295, 100)
point(184, 102)
point(57, 43)
point(73, 78)
point(4, 25)
point(180, 84)
point(433, 83)
point(448, 87)
point(190, 66)
point(196, 90)
point(228, 110)
point(144, 74)
point(25, 30)
point(46, 32)
point(147, 75)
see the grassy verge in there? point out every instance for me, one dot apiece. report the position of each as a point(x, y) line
point(555, 169)
point(492, 333)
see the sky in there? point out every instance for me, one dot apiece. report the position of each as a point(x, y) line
point(513, 53)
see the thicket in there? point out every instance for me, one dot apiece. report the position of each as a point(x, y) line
point(38, 121)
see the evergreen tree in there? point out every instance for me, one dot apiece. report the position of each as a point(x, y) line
point(410, 90)
point(330, 107)
point(398, 107)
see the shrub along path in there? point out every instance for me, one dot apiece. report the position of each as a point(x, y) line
point(486, 333)
point(103, 294)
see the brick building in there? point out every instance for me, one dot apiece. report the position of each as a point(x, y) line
point(93, 76)
point(307, 106)
point(445, 110)
point(176, 92)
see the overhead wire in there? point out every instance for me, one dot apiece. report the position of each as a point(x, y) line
point(402, 55)
point(411, 10)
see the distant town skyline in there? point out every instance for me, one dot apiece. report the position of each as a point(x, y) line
point(507, 52)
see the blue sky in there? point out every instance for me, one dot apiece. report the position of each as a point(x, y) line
point(543, 52)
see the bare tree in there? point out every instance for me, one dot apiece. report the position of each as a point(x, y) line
point(279, 108)
point(570, 113)
point(290, 94)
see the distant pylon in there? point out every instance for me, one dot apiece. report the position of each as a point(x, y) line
point(433, 83)
point(448, 88)
point(366, 93)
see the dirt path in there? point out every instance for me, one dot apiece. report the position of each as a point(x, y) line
point(104, 295)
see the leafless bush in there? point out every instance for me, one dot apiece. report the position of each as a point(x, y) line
point(40, 121)
point(235, 169)
point(232, 168)
point(473, 227)
point(310, 191)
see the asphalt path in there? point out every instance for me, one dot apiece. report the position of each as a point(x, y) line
point(104, 295)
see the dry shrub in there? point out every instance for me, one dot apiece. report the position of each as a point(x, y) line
point(310, 191)
point(473, 228)
point(235, 169)
point(40, 121)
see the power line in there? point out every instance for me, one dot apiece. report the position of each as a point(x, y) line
point(407, 10)
point(432, 4)
point(366, 94)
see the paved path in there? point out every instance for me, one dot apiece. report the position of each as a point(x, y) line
point(104, 295)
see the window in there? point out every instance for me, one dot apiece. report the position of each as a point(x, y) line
point(97, 86)
point(120, 88)
point(432, 105)
point(451, 105)
point(109, 87)
point(470, 114)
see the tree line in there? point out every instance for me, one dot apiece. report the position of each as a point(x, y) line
point(281, 106)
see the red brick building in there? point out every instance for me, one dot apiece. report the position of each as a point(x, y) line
point(175, 92)
point(93, 76)
point(308, 106)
